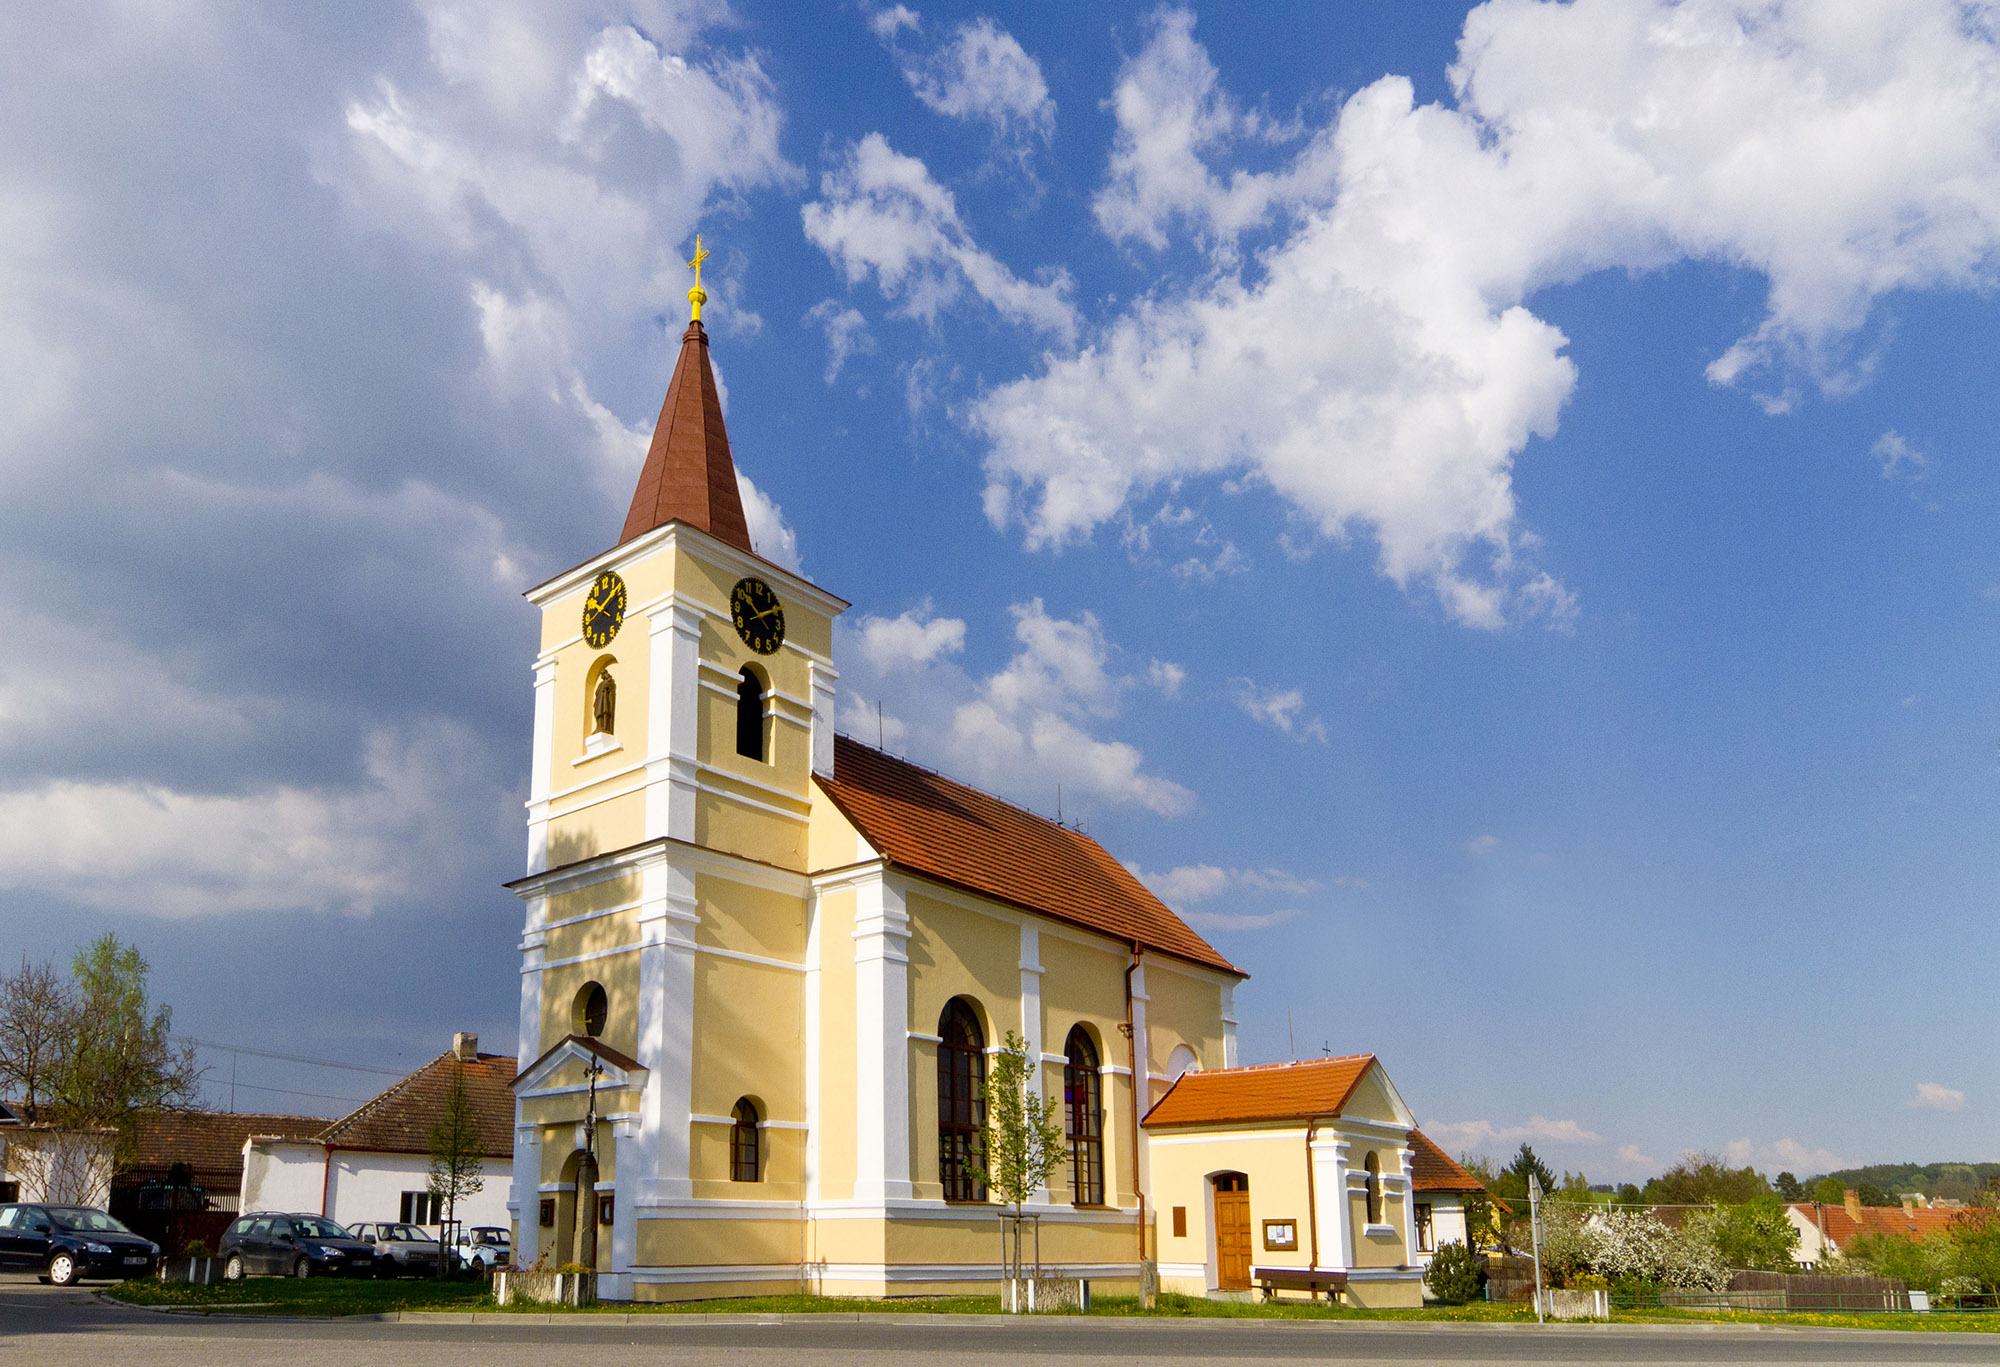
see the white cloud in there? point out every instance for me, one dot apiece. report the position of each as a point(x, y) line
point(980, 74)
point(889, 22)
point(1166, 676)
point(1022, 730)
point(846, 333)
point(1935, 1096)
point(1898, 457)
point(1482, 844)
point(156, 850)
point(1192, 883)
point(1785, 1154)
point(881, 213)
point(1378, 368)
point(1466, 1134)
point(1634, 1160)
point(1281, 708)
point(1249, 920)
point(770, 535)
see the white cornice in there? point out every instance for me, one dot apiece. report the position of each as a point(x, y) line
point(701, 546)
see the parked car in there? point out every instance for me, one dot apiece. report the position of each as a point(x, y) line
point(68, 1243)
point(271, 1244)
point(401, 1250)
point(484, 1246)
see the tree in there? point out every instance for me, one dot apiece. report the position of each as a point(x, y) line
point(1702, 1179)
point(1789, 1187)
point(458, 1158)
point(1512, 1183)
point(1455, 1274)
point(1872, 1195)
point(1757, 1234)
point(1024, 1141)
point(37, 1015)
point(1629, 1194)
point(1828, 1191)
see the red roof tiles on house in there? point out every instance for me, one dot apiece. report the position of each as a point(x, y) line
point(399, 1120)
point(210, 1142)
point(929, 824)
point(1842, 1225)
point(1316, 1089)
point(1432, 1169)
point(688, 475)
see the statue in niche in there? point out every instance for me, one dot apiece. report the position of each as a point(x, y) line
point(604, 704)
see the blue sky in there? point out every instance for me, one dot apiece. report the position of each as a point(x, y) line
point(1489, 512)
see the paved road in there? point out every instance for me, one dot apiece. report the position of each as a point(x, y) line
point(41, 1325)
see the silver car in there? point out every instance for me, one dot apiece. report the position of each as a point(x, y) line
point(402, 1250)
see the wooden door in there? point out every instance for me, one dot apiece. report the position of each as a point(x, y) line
point(1232, 1233)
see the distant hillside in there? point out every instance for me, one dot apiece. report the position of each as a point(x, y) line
point(1962, 1181)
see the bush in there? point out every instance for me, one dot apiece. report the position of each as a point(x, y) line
point(197, 1248)
point(1456, 1274)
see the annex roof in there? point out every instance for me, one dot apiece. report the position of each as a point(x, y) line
point(1315, 1089)
point(210, 1142)
point(935, 826)
point(689, 475)
point(399, 1120)
point(1843, 1224)
point(1432, 1169)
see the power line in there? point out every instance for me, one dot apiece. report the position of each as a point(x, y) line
point(292, 1058)
point(287, 1091)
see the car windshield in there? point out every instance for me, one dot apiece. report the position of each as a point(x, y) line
point(496, 1237)
point(405, 1232)
point(84, 1219)
point(312, 1227)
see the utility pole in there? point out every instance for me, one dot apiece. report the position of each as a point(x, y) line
point(1535, 1235)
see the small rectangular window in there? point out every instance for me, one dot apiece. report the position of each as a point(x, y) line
point(1423, 1224)
point(605, 1206)
point(548, 1212)
point(9, 1191)
point(419, 1208)
point(1180, 1222)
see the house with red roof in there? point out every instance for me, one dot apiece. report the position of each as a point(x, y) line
point(1825, 1229)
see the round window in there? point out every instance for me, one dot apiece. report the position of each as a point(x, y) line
point(592, 1007)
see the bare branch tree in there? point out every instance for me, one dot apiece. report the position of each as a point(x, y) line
point(37, 1023)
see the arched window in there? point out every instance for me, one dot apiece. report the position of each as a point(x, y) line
point(604, 705)
point(1083, 1119)
point(590, 1011)
point(961, 1104)
point(750, 715)
point(1373, 1165)
point(743, 1152)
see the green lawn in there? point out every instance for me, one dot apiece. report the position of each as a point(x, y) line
point(314, 1296)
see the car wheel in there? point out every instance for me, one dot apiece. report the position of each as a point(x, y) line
point(62, 1269)
point(303, 1268)
point(232, 1268)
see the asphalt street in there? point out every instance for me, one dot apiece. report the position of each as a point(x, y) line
point(40, 1324)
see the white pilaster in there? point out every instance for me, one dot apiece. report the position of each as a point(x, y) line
point(1229, 1025)
point(1031, 1019)
point(881, 1042)
point(672, 722)
point(814, 1062)
point(1142, 1073)
point(624, 1205)
point(524, 1193)
point(824, 679)
point(540, 766)
point(1336, 1230)
point(667, 920)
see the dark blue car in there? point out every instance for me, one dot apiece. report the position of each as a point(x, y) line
point(68, 1243)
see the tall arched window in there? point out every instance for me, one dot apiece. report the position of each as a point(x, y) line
point(750, 715)
point(743, 1153)
point(961, 1104)
point(604, 704)
point(1373, 1165)
point(1083, 1119)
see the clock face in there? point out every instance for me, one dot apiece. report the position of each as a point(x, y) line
point(760, 620)
point(604, 610)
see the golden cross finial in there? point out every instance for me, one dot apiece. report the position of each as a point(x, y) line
point(697, 296)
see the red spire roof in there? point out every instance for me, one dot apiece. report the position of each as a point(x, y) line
point(688, 475)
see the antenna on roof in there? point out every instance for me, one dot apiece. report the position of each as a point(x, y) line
point(880, 744)
point(1059, 804)
point(1291, 1037)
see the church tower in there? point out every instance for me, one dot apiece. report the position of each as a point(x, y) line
point(684, 695)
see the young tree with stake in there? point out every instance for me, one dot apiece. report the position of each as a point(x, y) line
point(1024, 1141)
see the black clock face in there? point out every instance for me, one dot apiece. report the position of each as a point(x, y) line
point(760, 621)
point(604, 610)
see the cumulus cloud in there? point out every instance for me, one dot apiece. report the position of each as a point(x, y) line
point(1898, 458)
point(1022, 730)
point(1378, 365)
point(1482, 844)
point(1246, 920)
point(1935, 1096)
point(1466, 1134)
point(979, 73)
point(1191, 883)
point(881, 214)
point(1283, 708)
point(1786, 1153)
point(1636, 1161)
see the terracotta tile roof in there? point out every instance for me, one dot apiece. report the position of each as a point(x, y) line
point(400, 1119)
point(210, 1142)
point(1272, 1091)
point(929, 824)
point(1914, 1225)
point(688, 475)
point(1432, 1169)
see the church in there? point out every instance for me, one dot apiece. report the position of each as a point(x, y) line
point(765, 967)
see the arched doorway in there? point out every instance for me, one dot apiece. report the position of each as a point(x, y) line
point(576, 1203)
point(1232, 1230)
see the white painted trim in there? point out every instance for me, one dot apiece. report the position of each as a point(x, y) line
point(925, 1039)
point(730, 1121)
point(730, 776)
point(741, 957)
point(863, 1272)
point(701, 546)
point(592, 957)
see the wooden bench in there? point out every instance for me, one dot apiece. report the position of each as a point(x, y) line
point(1276, 1279)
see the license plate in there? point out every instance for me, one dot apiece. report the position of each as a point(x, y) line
point(137, 1262)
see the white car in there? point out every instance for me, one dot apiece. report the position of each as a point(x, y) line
point(484, 1246)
